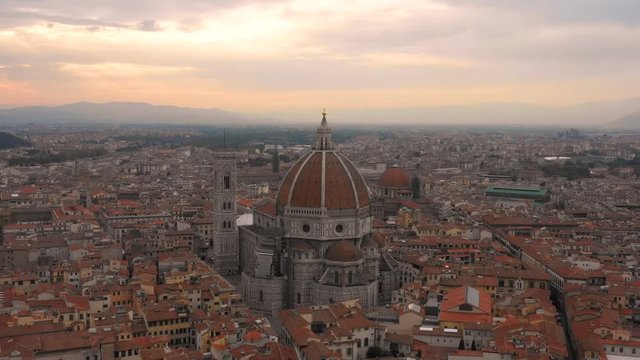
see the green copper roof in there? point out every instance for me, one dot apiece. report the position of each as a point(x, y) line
point(515, 191)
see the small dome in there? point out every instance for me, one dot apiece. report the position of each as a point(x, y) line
point(395, 177)
point(343, 251)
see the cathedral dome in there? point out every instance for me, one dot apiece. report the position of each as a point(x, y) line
point(343, 251)
point(324, 178)
point(395, 177)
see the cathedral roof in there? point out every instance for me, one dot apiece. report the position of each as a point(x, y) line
point(324, 178)
point(343, 251)
point(395, 177)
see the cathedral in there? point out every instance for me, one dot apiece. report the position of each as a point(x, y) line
point(314, 245)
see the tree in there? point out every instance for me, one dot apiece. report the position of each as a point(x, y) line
point(394, 348)
point(275, 162)
point(376, 352)
point(415, 187)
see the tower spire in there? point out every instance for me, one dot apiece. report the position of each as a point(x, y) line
point(323, 135)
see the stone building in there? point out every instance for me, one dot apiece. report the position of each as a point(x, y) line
point(315, 245)
point(225, 249)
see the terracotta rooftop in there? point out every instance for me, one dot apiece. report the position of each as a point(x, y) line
point(395, 177)
point(343, 251)
point(324, 179)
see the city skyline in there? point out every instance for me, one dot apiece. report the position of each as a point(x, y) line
point(293, 57)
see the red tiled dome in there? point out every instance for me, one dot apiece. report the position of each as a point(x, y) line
point(324, 178)
point(343, 251)
point(395, 177)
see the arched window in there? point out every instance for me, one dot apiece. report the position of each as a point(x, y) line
point(227, 181)
point(299, 298)
point(261, 296)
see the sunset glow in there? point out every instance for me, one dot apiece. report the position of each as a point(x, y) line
point(264, 56)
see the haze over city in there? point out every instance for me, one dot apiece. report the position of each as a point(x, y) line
point(319, 180)
point(506, 62)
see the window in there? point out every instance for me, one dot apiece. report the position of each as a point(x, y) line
point(306, 228)
point(261, 296)
point(366, 342)
point(349, 351)
point(299, 298)
point(335, 277)
point(227, 181)
point(350, 277)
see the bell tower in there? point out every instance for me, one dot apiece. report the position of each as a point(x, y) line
point(225, 249)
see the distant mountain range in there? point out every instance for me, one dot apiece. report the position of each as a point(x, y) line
point(116, 113)
point(598, 114)
point(631, 121)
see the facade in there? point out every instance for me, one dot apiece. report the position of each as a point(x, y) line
point(225, 249)
point(320, 250)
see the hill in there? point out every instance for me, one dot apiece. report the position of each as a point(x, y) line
point(10, 141)
point(116, 113)
point(631, 121)
point(596, 114)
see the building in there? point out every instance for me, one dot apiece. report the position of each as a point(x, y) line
point(321, 249)
point(393, 186)
point(465, 304)
point(537, 194)
point(225, 250)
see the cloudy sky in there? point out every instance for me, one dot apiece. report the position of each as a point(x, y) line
point(300, 55)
